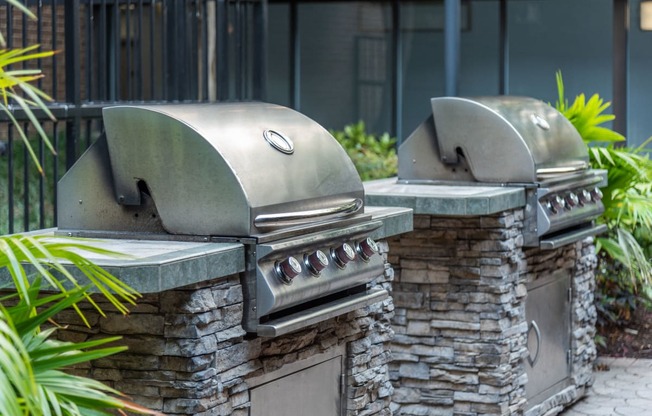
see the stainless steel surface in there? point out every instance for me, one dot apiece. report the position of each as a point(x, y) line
point(572, 236)
point(316, 314)
point(210, 169)
point(555, 213)
point(273, 294)
point(491, 139)
point(287, 219)
point(548, 305)
point(86, 200)
point(313, 390)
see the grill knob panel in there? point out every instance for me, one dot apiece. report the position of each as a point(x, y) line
point(366, 248)
point(316, 262)
point(287, 269)
point(343, 255)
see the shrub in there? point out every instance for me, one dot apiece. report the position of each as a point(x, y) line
point(624, 272)
point(373, 157)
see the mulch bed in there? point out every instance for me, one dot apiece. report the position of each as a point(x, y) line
point(632, 340)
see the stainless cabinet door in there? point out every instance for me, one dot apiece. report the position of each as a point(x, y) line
point(548, 314)
point(313, 391)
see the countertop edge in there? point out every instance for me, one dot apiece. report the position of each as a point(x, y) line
point(444, 200)
point(196, 263)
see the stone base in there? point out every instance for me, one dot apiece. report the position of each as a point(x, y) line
point(188, 354)
point(461, 334)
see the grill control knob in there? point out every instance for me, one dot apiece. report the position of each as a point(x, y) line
point(556, 204)
point(585, 197)
point(550, 208)
point(596, 194)
point(366, 248)
point(288, 269)
point(316, 262)
point(571, 200)
point(343, 254)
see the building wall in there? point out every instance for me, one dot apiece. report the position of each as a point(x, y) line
point(575, 37)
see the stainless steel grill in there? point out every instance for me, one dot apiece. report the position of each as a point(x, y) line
point(510, 141)
point(256, 173)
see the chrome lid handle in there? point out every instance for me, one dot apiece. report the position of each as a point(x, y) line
point(286, 219)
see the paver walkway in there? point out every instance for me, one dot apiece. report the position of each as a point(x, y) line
point(624, 390)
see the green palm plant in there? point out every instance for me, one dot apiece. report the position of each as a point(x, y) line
point(15, 87)
point(624, 266)
point(32, 380)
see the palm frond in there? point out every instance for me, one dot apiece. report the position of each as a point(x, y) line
point(587, 115)
point(625, 249)
point(17, 4)
point(13, 80)
point(31, 362)
point(47, 255)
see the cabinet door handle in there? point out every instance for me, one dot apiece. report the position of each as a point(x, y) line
point(537, 332)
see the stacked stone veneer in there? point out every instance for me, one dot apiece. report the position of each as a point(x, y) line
point(188, 354)
point(461, 334)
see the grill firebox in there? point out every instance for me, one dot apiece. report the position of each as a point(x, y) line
point(255, 173)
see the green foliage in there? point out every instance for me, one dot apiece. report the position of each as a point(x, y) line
point(15, 87)
point(587, 116)
point(45, 253)
point(624, 270)
point(32, 382)
point(373, 157)
point(31, 378)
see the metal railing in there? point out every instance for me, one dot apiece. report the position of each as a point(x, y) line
point(119, 51)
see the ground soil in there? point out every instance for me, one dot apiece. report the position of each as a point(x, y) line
point(632, 340)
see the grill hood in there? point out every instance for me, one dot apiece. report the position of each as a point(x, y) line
point(236, 169)
point(499, 139)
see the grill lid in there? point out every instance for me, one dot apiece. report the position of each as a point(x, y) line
point(236, 169)
point(492, 139)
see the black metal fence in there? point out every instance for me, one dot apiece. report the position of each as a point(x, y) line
point(118, 51)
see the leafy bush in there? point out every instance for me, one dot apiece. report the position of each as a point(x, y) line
point(373, 157)
point(624, 271)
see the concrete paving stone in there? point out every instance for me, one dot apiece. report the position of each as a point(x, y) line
point(616, 391)
point(624, 390)
point(593, 410)
point(637, 371)
point(642, 403)
point(618, 383)
point(632, 411)
point(645, 392)
point(598, 400)
point(573, 412)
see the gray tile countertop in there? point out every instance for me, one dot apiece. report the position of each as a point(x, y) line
point(156, 266)
point(396, 220)
point(445, 200)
